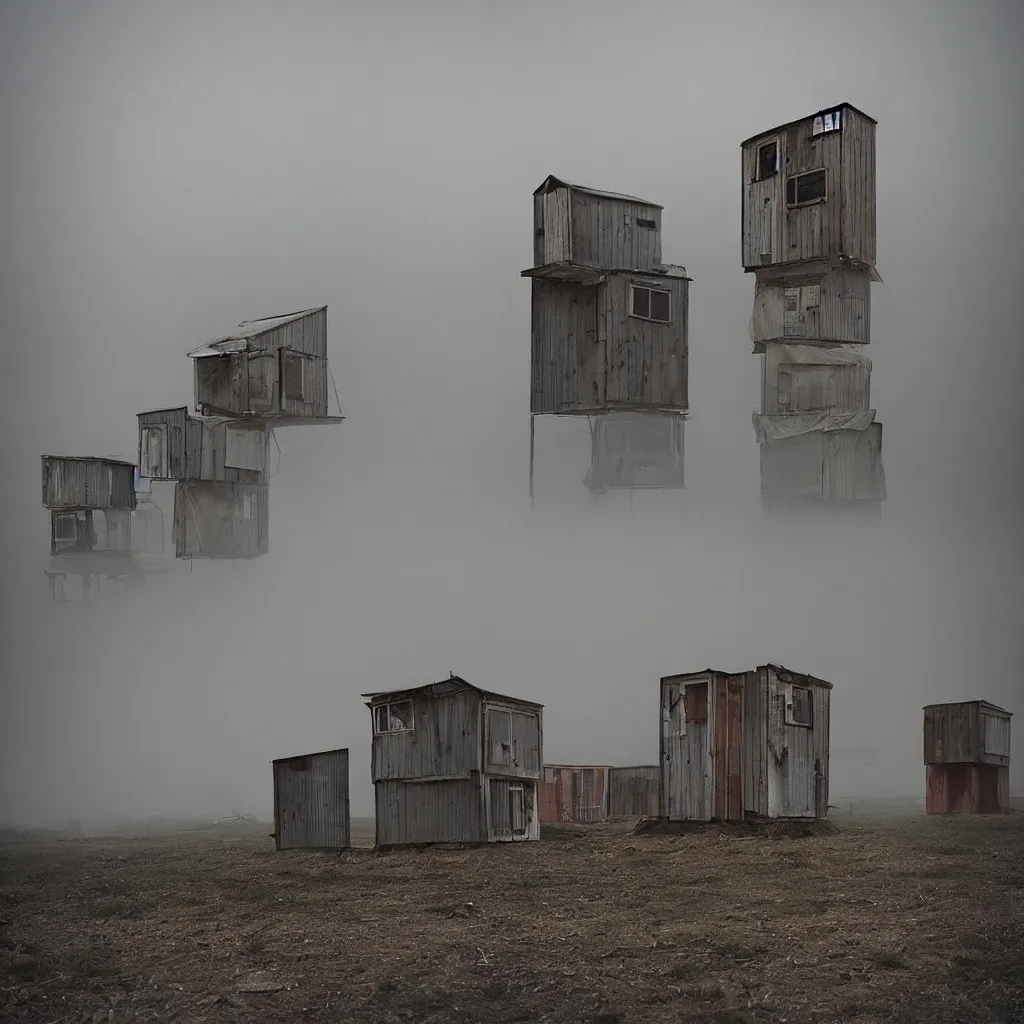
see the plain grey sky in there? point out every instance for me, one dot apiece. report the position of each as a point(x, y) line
point(171, 169)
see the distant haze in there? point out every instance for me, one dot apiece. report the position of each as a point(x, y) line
point(171, 169)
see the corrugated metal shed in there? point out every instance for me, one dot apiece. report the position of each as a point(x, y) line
point(574, 793)
point(311, 801)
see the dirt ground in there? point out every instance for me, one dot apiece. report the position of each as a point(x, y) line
point(897, 919)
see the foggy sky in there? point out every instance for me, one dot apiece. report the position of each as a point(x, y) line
point(169, 170)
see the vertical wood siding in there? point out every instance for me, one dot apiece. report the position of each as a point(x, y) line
point(841, 224)
point(442, 742)
point(755, 742)
point(214, 519)
point(70, 483)
point(567, 362)
point(796, 385)
point(512, 810)
point(832, 306)
point(633, 792)
point(647, 362)
point(311, 802)
point(608, 233)
point(204, 448)
point(687, 768)
point(446, 811)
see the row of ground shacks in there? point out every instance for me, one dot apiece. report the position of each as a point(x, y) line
point(453, 763)
point(266, 374)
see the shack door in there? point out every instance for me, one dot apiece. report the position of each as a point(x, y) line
point(686, 750)
point(728, 749)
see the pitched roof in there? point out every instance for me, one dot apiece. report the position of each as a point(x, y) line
point(550, 183)
point(238, 339)
point(452, 684)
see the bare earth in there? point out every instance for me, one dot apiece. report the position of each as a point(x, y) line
point(891, 919)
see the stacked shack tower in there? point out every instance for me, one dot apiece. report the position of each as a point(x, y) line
point(266, 374)
point(808, 228)
point(609, 333)
point(98, 525)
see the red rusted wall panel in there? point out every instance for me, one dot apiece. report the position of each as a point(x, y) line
point(966, 789)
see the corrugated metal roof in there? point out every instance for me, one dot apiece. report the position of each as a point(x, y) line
point(777, 428)
point(550, 183)
point(238, 339)
point(443, 684)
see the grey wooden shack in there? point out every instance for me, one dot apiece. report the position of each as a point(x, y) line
point(744, 745)
point(967, 758)
point(176, 445)
point(453, 763)
point(311, 801)
point(808, 236)
point(274, 368)
point(609, 331)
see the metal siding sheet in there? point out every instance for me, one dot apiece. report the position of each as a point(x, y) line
point(311, 801)
point(633, 792)
point(447, 811)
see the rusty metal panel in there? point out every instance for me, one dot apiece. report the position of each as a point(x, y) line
point(755, 742)
point(87, 483)
point(963, 788)
point(727, 749)
point(445, 811)
point(311, 801)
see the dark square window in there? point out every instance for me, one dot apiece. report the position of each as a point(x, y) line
point(767, 160)
point(805, 188)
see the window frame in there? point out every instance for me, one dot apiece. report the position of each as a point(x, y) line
point(774, 143)
point(837, 122)
point(796, 204)
point(60, 519)
point(790, 705)
point(296, 362)
point(633, 288)
point(385, 708)
point(506, 747)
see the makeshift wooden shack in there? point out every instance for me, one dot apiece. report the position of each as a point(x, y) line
point(633, 791)
point(311, 801)
point(609, 332)
point(967, 758)
point(744, 745)
point(453, 763)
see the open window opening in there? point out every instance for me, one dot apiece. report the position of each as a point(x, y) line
point(808, 187)
point(825, 123)
point(767, 160)
point(799, 706)
point(651, 304)
point(395, 716)
point(517, 809)
point(646, 222)
point(499, 738)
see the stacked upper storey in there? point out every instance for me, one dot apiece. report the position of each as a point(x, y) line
point(275, 369)
point(609, 322)
point(809, 191)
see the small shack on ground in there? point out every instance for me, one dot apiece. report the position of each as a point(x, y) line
point(311, 802)
point(744, 745)
point(588, 793)
point(967, 758)
point(453, 763)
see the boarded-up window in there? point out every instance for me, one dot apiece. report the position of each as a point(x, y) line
point(767, 160)
point(293, 389)
point(395, 716)
point(805, 188)
point(799, 706)
point(499, 737)
point(651, 304)
point(695, 702)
